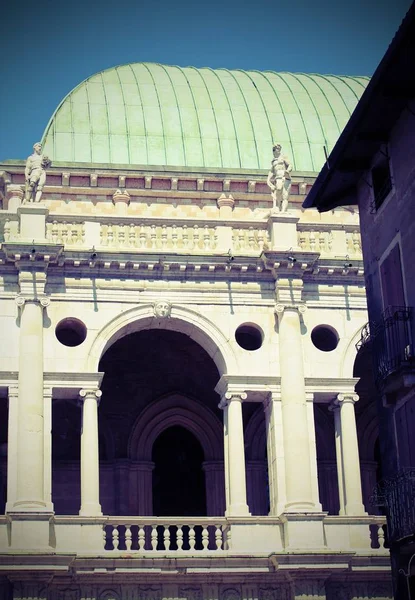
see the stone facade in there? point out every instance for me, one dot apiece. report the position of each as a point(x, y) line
point(133, 304)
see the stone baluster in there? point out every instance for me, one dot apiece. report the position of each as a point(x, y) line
point(164, 237)
point(235, 474)
point(174, 237)
point(121, 235)
point(131, 235)
point(241, 239)
point(143, 236)
point(153, 236)
point(30, 465)
point(299, 488)
point(90, 505)
point(196, 237)
point(185, 237)
point(206, 238)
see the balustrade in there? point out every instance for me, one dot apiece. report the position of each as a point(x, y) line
point(329, 242)
point(158, 534)
point(65, 232)
point(168, 237)
point(249, 239)
point(187, 235)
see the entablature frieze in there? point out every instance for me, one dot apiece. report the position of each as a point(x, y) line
point(256, 388)
point(182, 181)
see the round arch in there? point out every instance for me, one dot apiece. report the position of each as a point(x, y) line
point(176, 409)
point(183, 320)
point(349, 355)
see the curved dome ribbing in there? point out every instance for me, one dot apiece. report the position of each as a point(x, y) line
point(151, 114)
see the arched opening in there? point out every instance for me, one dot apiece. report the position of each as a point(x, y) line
point(178, 479)
point(158, 391)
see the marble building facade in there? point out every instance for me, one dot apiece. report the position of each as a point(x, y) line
point(181, 407)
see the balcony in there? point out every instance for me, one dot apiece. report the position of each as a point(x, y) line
point(116, 536)
point(397, 495)
point(393, 356)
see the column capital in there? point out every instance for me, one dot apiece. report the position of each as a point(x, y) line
point(228, 396)
point(90, 393)
point(280, 308)
point(21, 300)
point(346, 398)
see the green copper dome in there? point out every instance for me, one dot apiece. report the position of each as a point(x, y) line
point(151, 114)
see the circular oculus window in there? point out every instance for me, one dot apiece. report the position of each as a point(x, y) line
point(325, 338)
point(249, 336)
point(71, 332)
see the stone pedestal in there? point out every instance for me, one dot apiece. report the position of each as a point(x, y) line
point(32, 217)
point(282, 230)
point(303, 531)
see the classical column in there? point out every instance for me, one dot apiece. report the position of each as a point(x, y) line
point(235, 474)
point(299, 488)
point(90, 505)
point(335, 408)
point(350, 455)
point(30, 476)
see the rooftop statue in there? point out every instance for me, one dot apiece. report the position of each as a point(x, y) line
point(279, 180)
point(35, 174)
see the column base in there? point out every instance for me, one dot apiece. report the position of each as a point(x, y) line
point(302, 507)
point(237, 510)
point(28, 506)
point(92, 509)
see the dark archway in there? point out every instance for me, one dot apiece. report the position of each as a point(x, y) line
point(178, 479)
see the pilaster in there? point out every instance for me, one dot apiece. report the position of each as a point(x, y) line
point(299, 485)
point(30, 471)
point(275, 453)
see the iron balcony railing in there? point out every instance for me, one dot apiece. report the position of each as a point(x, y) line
point(397, 495)
point(390, 340)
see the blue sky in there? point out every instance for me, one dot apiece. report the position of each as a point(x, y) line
point(47, 48)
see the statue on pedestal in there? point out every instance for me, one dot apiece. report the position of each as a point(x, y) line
point(35, 174)
point(279, 180)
